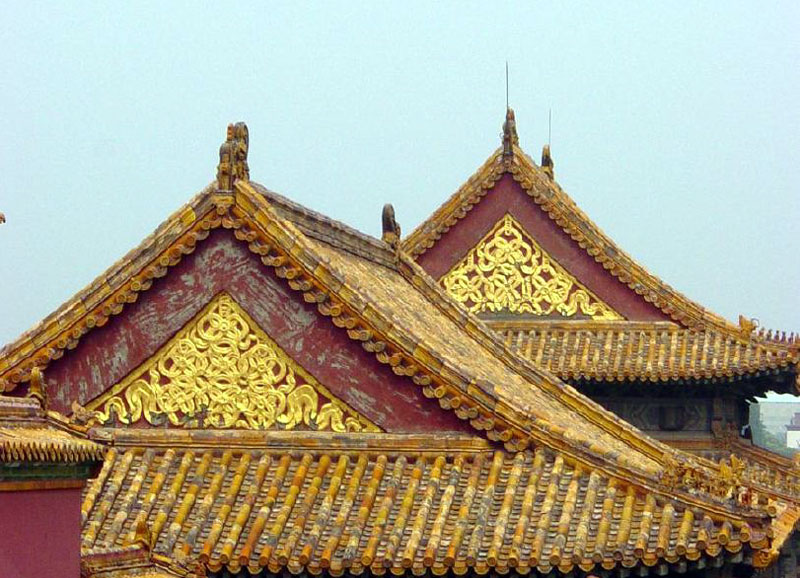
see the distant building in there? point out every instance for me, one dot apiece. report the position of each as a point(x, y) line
point(774, 415)
point(793, 432)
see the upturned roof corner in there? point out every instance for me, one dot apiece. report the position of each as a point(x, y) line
point(233, 157)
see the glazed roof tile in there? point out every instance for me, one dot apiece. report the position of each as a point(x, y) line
point(652, 351)
point(397, 313)
point(657, 352)
point(394, 310)
point(393, 503)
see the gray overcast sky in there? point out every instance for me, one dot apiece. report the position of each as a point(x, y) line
point(675, 126)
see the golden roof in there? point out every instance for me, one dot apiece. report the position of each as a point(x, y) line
point(546, 193)
point(551, 454)
point(389, 503)
point(395, 311)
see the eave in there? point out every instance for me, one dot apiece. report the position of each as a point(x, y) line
point(304, 486)
point(643, 352)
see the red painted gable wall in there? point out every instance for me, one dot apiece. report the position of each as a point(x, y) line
point(221, 263)
point(41, 533)
point(507, 196)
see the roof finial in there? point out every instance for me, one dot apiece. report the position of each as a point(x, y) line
point(391, 229)
point(510, 137)
point(233, 157)
point(547, 161)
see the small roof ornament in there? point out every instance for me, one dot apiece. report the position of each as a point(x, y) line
point(37, 387)
point(547, 161)
point(510, 137)
point(391, 229)
point(233, 157)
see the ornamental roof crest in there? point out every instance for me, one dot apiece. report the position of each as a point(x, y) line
point(221, 370)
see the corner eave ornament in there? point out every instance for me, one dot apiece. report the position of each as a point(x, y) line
point(233, 157)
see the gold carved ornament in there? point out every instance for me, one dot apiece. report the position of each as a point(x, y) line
point(221, 370)
point(508, 271)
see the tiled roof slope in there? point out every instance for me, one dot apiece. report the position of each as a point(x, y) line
point(26, 435)
point(559, 206)
point(626, 351)
point(393, 503)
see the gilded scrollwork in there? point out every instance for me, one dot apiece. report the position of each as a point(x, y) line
point(507, 271)
point(223, 371)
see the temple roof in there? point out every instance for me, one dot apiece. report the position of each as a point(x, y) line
point(546, 193)
point(394, 310)
point(699, 344)
point(540, 449)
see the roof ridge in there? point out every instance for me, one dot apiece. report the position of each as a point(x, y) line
point(296, 209)
point(423, 236)
point(600, 254)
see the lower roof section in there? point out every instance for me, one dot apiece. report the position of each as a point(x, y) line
point(389, 503)
point(655, 352)
point(29, 436)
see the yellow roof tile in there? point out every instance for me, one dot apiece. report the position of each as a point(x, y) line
point(623, 351)
point(441, 504)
